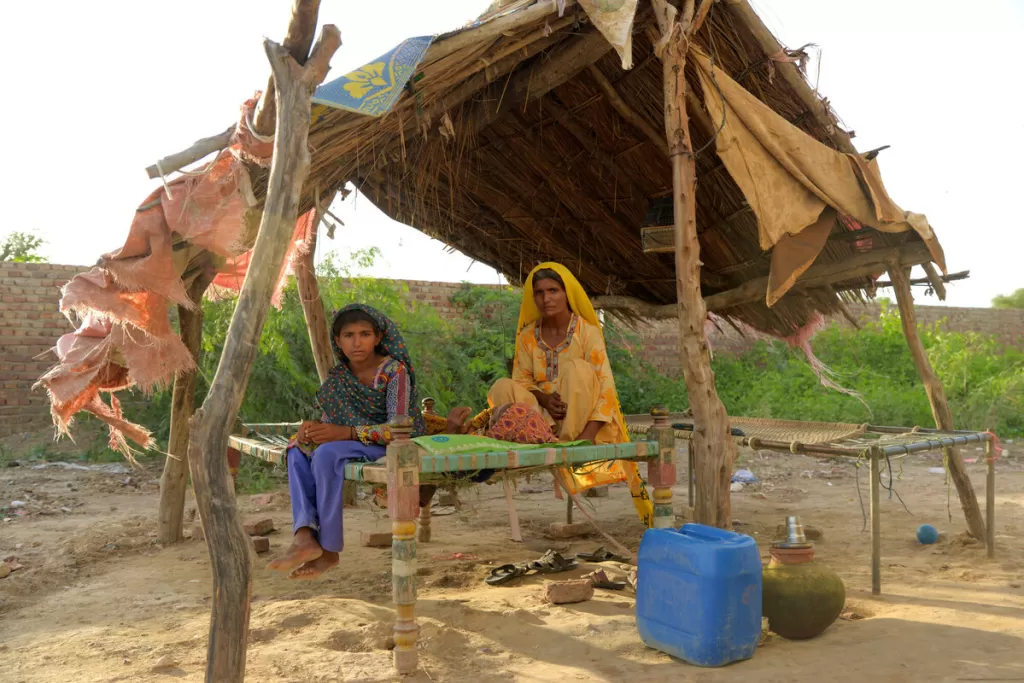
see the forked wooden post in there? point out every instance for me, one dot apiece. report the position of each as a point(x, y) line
point(227, 543)
point(403, 504)
point(661, 471)
point(713, 448)
point(900, 277)
point(990, 499)
point(876, 521)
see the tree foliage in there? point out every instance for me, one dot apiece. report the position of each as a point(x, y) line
point(1015, 300)
point(21, 247)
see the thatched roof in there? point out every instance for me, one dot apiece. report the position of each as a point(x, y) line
point(522, 140)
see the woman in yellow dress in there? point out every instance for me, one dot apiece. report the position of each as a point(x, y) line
point(561, 369)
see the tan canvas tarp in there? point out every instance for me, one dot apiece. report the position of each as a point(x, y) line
point(795, 185)
point(614, 19)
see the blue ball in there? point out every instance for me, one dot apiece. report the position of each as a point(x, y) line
point(927, 534)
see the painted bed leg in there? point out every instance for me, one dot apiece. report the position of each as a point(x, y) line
point(513, 515)
point(661, 470)
point(424, 532)
point(403, 506)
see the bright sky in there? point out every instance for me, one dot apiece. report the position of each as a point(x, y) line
point(102, 89)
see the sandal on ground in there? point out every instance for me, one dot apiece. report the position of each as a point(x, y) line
point(552, 563)
point(600, 580)
point(505, 573)
point(602, 555)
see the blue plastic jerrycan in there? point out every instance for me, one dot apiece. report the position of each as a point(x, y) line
point(699, 594)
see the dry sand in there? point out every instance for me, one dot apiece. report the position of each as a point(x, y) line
point(99, 600)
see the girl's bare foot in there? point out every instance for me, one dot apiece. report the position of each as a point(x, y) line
point(304, 548)
point(315, 568)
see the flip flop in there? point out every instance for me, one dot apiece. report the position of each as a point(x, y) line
point(505, 573)
point(602, 555)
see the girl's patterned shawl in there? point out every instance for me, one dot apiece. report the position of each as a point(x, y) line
point(347, 401)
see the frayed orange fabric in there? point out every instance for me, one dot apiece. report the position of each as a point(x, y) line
point(125, 337)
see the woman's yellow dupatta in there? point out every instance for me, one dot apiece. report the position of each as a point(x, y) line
point(605, 473)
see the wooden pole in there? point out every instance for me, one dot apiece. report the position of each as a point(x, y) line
point(751, 291)
point(899, 275)
point(297, 41)
point(990, 500)
point(199, 149)
point(403, 463)
point(661, 471)
point(228, 545)
point(712, 446)
point(876, 522)
point(174, 480)
point(309, 294)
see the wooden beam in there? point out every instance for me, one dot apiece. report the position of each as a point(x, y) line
point(742, 10)
point(227, 543)
point(900, 275)
point(199, 149)
point(297, 41)
point(936, 280)
point(860, 265)
point(631, 117)
point(713, 447)
point(174, 480)
point(952, 277)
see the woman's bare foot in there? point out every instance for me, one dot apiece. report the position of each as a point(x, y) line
point(304, 548)
point(315, 568)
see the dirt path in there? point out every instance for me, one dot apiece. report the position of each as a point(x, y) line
point(98, 600)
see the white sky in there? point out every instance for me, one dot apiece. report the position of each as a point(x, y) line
point(96, 91)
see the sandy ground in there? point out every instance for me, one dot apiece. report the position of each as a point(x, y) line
point(99, 600)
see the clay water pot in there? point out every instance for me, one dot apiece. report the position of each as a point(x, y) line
point(800, 597)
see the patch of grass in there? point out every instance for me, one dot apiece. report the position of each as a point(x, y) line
point(259, 476)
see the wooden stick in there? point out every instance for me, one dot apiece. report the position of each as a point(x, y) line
point(626, 112)
point(792, 75)
point(297, 41)
point(713, 448)
point(174, 480)
point(699, 17)
point(568, 507)
point(952, 277)
point(317, 325)
point(876, 522)
point(935, 279)
point(228, 545)
point(990, 500)
point(199, 149)
point(403, 505)
point(754, 290)
point(937, 398)
point(661, 471)
point(513, 515)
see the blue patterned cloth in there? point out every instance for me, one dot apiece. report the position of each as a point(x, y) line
point(374, 88)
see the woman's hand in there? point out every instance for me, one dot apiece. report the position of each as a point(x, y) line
point(553, 403)
point(456, 419)
point(302, 436)
point(319, 432)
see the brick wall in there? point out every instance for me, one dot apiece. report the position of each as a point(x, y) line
point(30, 325)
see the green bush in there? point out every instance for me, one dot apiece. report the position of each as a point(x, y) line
point(457, 360)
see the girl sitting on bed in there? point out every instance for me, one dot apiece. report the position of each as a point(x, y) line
point(372, 383)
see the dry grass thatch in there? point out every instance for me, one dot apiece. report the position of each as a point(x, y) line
point(510, 149)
